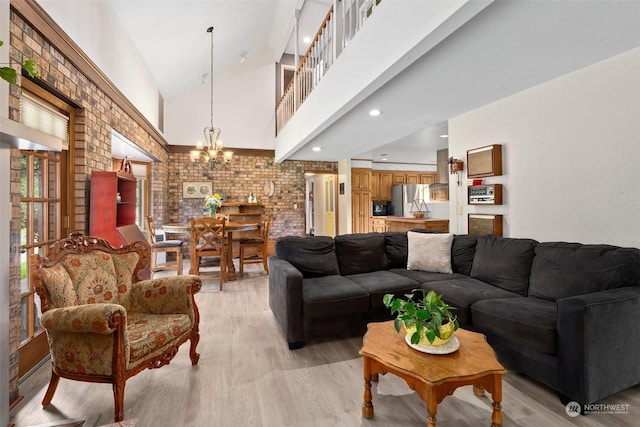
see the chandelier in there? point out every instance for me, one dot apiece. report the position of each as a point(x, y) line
point(210, 151)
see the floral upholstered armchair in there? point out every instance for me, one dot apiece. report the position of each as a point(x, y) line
point(104, 324)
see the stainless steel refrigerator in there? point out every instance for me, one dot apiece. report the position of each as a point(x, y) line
point(403, 196)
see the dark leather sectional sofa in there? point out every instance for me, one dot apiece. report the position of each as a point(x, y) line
point(566, 314)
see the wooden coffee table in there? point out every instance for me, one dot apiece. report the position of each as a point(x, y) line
point(433, 377)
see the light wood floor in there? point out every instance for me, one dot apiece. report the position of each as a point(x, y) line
point(248, 377)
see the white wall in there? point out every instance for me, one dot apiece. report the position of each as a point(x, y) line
point(243, 107)
point(570, 154)
point(344, 200)
point(94, 26)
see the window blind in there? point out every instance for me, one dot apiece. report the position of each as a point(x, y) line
point(35, 114)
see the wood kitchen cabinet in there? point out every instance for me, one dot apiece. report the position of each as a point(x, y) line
point(381, 183)
point(378, 224)
point(407, 224)
point(360, 179)
point(113, 204)
point(361, 211)
point(427, 178)
point(361, 186)
point(412, 178)
point(399, 178)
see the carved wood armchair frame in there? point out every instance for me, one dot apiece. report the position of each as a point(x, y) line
point(116, 322)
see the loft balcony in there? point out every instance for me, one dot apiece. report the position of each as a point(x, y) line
point(360, 46)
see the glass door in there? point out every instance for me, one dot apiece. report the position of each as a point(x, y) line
point(41, 207)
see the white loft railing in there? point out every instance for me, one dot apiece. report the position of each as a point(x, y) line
point(321, 54)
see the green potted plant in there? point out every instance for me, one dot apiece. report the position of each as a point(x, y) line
point(427, 320)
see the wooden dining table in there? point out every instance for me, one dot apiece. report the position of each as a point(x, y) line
point(229, 228)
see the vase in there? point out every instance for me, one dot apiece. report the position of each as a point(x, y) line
point(446, 332)
point(212, 211)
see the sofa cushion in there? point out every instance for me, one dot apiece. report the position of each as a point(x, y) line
point(429, 252)
point(61, 291)
point(563, 269)
point(530, 322)
point(425, 276)
point(463, 292)
point(379, 283)
point(396, 248)
point(463, 250)
point(94, 277)
point(504, 262)
point(361, 253)
point(332, 295)
point(150, 334)
point(312, 256)
point(124, 265)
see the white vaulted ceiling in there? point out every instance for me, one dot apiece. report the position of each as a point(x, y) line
point(507, 48)
point(171, 34)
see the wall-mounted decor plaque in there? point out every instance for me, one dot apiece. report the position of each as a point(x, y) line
point(485, 161)
point(483, 225)
point(196, 189)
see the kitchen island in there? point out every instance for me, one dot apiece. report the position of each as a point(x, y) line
point(398, 223)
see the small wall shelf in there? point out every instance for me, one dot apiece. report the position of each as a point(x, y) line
point(489, 194)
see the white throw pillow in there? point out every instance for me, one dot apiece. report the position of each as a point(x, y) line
point(429, 252)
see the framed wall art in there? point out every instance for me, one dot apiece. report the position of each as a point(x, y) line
point(196, 189)
point(485, 161)
point(485, 225)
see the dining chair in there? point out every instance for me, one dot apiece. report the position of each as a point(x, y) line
point(254, 249)
point(166, 247)
point(208, 247)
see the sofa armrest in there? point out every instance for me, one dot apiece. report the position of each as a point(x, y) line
point(285, 299)
point(166, 295)
point(88, 318)
point(598, 343)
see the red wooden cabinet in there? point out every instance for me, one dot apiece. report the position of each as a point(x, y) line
point(113, 203)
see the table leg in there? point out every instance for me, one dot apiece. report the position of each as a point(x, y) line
point(231, 269)
point(367, 405)
point(496, 416)
point(432, 409)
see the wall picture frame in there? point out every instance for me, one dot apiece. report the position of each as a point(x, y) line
point(484, 161)
point(484, 225)
point(196, 189)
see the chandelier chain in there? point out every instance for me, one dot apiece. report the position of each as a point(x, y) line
point(210, 29)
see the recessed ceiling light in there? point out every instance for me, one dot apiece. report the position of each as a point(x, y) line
point(384, 159)
point(317, 148)
point(306, 40)
point(375, 112)
point(444, 135)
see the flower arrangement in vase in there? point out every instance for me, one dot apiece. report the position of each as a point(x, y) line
point(213, 202)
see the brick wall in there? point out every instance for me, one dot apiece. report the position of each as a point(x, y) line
point(245, 174)
point(95, 116)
